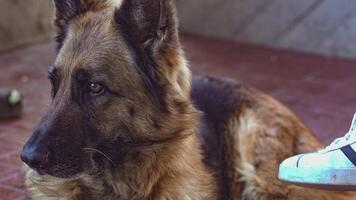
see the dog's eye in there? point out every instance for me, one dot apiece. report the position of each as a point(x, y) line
point(96, 88)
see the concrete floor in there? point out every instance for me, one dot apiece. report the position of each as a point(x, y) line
point(321, 91)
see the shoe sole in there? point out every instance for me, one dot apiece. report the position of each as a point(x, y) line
point(327, 179)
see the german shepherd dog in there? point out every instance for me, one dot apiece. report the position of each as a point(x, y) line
point(127, 121)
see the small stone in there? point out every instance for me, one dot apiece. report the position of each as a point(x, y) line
point(14, 97)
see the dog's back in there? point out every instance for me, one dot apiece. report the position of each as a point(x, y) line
point(245, 135)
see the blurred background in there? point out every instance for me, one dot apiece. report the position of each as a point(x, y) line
point(302, 52)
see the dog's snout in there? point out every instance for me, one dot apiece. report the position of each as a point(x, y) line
point(36, 157)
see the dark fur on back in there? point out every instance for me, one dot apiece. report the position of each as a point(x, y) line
point(241, 125)
point(216, 99)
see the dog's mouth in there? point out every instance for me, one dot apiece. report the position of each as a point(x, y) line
point(92, 162)
point(65, 172)
point(62, 160)
point(59, 170)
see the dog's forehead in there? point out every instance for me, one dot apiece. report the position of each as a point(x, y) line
point(90, 39)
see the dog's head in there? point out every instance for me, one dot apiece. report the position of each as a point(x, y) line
point(118, 80)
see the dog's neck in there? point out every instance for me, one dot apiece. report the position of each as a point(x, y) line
point(174, 170)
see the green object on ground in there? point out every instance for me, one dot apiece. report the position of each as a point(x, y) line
point(10, 104)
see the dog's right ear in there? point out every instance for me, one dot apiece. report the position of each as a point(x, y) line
point(66, 10)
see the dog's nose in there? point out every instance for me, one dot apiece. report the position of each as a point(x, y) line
point(36, 158)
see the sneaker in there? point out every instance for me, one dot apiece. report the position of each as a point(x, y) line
point(331, 168)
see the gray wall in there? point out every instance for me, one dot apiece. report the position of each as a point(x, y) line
point(325, 27)
point(24, 22)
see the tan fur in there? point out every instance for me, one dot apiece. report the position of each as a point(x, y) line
point(260, 132)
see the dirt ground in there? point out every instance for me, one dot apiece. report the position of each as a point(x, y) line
point(320, 90)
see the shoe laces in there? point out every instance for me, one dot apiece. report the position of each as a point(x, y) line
point(345, 140)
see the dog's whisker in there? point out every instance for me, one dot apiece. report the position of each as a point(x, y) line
point(100, 152)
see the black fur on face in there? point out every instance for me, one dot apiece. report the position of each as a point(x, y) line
point(69, 134)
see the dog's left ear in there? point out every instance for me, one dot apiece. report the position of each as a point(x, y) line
point(150, 28)
point(146, 21)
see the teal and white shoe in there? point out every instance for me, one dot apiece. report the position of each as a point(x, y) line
point(331, 168)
